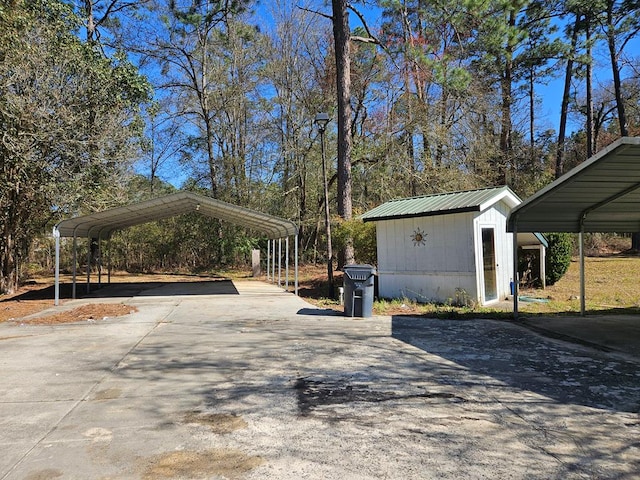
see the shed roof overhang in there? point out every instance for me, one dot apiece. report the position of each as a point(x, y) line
point(104, 223)
point(600, 195)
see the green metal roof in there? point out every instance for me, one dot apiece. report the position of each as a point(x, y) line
point(441, 204)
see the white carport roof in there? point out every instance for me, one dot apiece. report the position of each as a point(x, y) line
point(103, 223)
point(600, 195)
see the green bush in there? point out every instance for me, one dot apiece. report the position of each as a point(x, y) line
point(363, 236)
point(558, 256)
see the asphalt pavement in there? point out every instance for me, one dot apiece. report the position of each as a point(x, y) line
point(244, 381)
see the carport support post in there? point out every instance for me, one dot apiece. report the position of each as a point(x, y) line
point(515, 269)
point(296, 264)
point(100, 260)
point(286, 264)
point(273, 261)
point(109, 260)
point(543, 268)
point(280, 261)
point(75, 264)
point(88, 262)
point(268, 259)
point(582, 289)
point(56, 235)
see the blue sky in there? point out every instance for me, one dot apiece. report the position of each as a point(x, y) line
point(549, 95)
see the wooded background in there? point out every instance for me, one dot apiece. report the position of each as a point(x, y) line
point(108, 102)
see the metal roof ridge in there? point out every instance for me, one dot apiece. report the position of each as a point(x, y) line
point(446, 193)
point(176, 203)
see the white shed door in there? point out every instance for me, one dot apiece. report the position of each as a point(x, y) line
point(489, 263)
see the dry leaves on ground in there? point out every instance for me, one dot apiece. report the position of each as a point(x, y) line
point(90, 312)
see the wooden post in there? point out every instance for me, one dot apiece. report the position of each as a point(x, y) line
point(255, 263)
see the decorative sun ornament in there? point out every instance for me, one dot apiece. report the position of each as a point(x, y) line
point(418, 237)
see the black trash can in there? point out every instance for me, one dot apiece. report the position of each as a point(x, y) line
point(359, 282)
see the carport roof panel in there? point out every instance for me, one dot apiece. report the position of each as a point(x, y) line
point(604, 190)
point(441, 204)
point(105, 222)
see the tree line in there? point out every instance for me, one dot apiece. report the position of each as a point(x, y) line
point(105, 102)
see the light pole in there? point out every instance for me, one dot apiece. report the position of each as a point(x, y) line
point(321, 121)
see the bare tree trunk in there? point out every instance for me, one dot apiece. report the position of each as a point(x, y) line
point(341, 36)
point(590, 131)
point(413, 183)
point(91, 24)
point(532, 115)
point(211, 159)
point(617, 86)
point(564, 108)
point(505, 130)
point(8, 270)
point(443, 128)
point(615, 71)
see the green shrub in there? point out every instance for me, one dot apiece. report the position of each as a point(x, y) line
point(558, 256)
point(363, 236)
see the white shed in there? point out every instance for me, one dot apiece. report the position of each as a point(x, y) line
point(450, 247)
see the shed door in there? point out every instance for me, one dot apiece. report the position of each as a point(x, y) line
point(489, 263)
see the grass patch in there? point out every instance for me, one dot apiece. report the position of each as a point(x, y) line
point(612, 286)
point(436, 310)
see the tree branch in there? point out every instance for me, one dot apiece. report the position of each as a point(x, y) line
point(328, 17)
point(357, 38)
point(372, 38)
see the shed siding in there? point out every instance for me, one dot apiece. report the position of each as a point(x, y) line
point(495, 217)
point(435, 271)
point(449, 264)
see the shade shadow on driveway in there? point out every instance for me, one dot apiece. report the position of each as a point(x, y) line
point(567, 373)
point(147, 289)
point(260, 385)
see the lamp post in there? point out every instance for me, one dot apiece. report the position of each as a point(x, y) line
point(321, 120)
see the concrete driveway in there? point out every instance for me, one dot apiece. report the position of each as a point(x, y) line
point(247, 382)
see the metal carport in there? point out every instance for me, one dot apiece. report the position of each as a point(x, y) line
point(102, 224)
point(600, 195)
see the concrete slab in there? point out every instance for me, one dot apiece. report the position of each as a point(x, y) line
point(620, 333)
point(259, 384)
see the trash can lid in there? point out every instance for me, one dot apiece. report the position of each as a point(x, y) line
point(359, 272)
point(355, 266)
